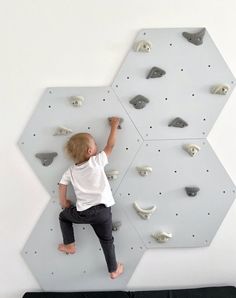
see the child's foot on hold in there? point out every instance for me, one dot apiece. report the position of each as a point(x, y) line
point(118, 272)
point(67, 248)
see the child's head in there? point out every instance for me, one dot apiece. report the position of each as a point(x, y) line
point(80, 147)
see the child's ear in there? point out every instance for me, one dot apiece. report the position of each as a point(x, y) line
point(89, 151)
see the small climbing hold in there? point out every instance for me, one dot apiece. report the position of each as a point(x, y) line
point(139, 101)
point(46, 158)
point(195, 38)
point(192, 149)
point(76, 100)
point(178, 122)
point(121, 121)
point(156, 72)
point(112, 175)
point(220, 89)
point(144, 171)
point(162, 237)
point(144, 213)
point(116, 225)
point(192, 191)
point(143, 46)
point(62, 131)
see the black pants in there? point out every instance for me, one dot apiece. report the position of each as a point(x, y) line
point(100, 218)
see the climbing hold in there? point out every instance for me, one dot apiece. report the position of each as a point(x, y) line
point(139, 101)
point(192, 191)
point(220, 89)
point(121, 121)
point(195, 38)
point(76, 100)
point(116, 225)
point(162, 237)
point(178, 122)
point(46, 158)
point(144, 213)
point(143, 46)
point(62, 131)
point(156, 72)
point(144, 171)
point(112, 175)
point(192, 149)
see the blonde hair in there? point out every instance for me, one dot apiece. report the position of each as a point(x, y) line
point(77, 146)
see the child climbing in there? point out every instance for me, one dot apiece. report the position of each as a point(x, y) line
point(93, 194)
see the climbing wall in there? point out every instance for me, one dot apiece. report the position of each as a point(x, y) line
point(170, 188)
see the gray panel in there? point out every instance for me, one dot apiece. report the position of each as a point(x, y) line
point(193, 221)
point(183, 92)
point(86, 269)
point(54, 109)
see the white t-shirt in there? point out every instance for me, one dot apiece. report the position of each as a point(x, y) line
point(90, 182)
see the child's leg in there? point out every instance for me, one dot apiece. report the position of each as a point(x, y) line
point(67, 217)
point(103, 229)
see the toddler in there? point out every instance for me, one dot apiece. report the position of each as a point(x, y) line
point(93, 194)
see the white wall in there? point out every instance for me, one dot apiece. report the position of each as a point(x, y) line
point(82, 43)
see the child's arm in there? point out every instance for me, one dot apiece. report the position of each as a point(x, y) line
point(64, 202)
point(112, 136)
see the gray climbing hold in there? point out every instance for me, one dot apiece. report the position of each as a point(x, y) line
point(116, 225)
point(46, 158)
point(156, 72)
point(220, 89)
point(192, 191)
point(178, 122)
point(195, 38)
point(139, 101)
point(121, 121)
point(143, 46)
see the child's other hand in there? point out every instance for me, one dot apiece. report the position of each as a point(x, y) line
point(67, 204)
point(115, 121)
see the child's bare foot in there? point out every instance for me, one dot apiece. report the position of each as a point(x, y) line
point(67, 248)
point(118, 272)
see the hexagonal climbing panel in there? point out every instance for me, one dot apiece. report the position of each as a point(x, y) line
point(183, 88)
point(170, 188)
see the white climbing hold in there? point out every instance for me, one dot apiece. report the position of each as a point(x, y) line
point(143, 46)
point(112, 175)
point(76, 100)
point(220, 89)
point(192, 149)
point(62, 131)
point(162, 237)
point(144, 213)
point(144, 171)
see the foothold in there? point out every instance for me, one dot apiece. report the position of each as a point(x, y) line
point(192, 149)
point(116, 225)
point(178, 122)
point(112, 175)
point(143, 46)
point(121, 121)
point(220, 89)
point(162, 237)
point(139, 101)
point(46, 158)
point(144, 171)
point(76, 100)
point(156, 72)
point(195, 38)
point(62, 131)
point(192, 191)
point(144, 213)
